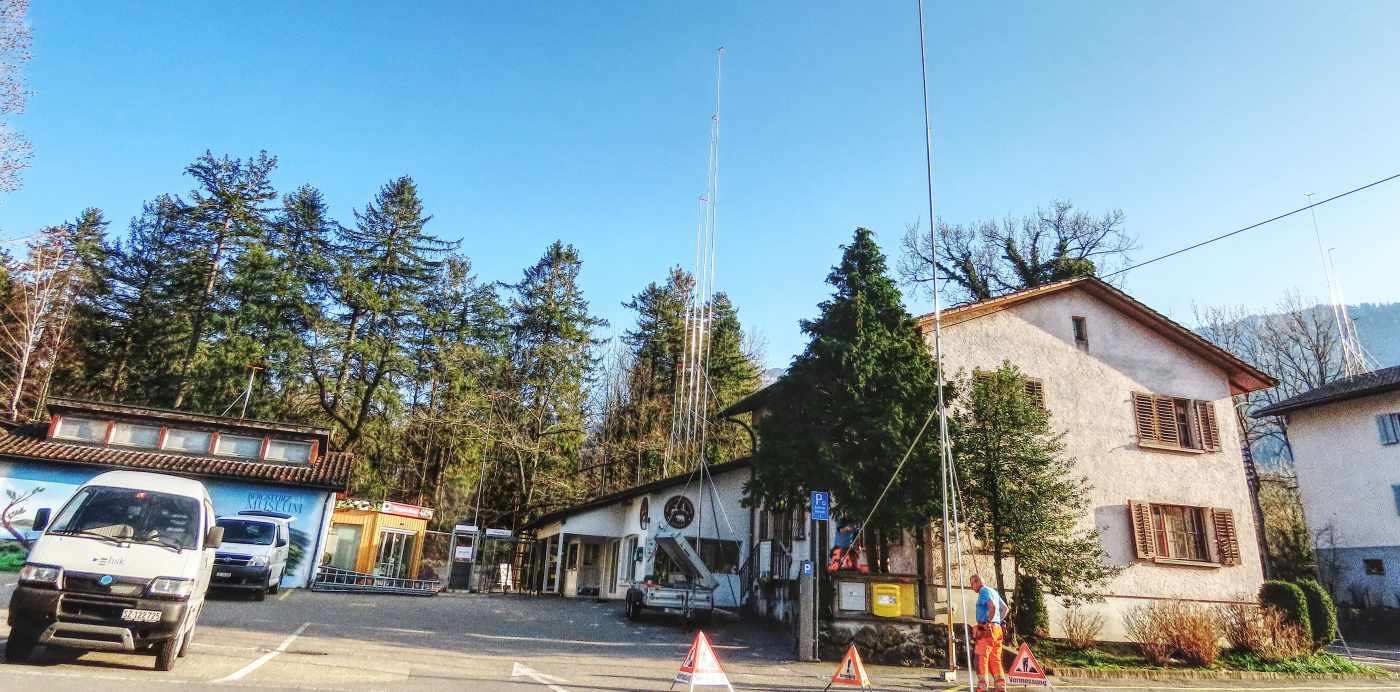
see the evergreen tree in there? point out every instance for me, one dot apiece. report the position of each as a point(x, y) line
point(551, 353)
point(853, 402)
point(224, 214)
point(733, 375)
point(1023, 500)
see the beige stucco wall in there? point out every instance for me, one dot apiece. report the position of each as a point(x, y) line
point(1088, 395)
point(1345, 474)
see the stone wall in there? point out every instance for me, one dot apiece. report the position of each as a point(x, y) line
point(889, 643)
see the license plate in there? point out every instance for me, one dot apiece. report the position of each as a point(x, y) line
point(223, 575)
point(136, 615)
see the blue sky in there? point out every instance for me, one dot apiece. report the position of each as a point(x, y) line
point(525, 122)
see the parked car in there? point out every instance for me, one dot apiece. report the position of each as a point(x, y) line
point(124, 566)
point(254, 553)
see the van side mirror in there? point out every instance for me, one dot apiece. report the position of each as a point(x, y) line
point(281, 543)
point(41, 518)
point(215, 537)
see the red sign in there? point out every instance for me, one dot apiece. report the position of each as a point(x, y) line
point(701, 666)
point(1025, 670)
point(851, 672)
point(406, 510)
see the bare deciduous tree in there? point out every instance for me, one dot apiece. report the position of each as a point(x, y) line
point(14, 53)
point(37, 311)
point(988, 258)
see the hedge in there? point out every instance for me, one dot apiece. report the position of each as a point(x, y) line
point(1290, 599)
point(1322, 612)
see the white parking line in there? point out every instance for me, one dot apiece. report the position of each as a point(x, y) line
point(259, 661)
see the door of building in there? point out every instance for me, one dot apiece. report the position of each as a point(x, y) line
point(345, 546)
point(395, 554)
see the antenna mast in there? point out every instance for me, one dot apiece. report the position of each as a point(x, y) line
point(1354, 360)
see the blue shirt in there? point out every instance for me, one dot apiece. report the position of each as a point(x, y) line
point(989, 605)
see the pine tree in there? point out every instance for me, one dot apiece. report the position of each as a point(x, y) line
point(226, 212)
point(1023, 499)
point(551, 353)
point(733, 375)
point(853, 402)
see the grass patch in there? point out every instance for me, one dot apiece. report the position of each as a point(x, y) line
point(1123, 656)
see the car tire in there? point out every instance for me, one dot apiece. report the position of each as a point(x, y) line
point(275, 585)
point(260, 594)
point(20, 645)
point(185, 643)
point(166, 653)
point(634, 610)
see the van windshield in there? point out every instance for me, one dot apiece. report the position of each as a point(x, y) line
point(128, 515)
point(248, 532)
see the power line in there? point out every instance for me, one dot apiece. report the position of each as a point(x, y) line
point(1250, 227)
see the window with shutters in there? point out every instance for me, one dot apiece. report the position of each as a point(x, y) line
point(1167, 422)
point(1389, 425)
point(1170, 533)
point(1035, 388)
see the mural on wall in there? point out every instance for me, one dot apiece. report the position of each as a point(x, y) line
point(28, 487)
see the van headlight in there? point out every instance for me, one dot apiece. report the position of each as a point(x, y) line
point(46, 575)
point(170, 587)
point(258, 561)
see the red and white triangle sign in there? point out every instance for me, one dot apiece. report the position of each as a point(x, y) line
point(851, 671)
point(701, 666)
point(1025, 670)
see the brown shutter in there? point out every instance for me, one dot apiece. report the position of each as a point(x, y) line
point(1144, 539)
point(1146, 418)
point(1227, 540)
point(1210, 429)
point(1167, 431)
point(1036, 390)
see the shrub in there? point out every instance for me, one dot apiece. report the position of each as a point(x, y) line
point(1030, 617)
point(1290, 600)
point(1235, 622)
point(1143, 626)
point(1082, 628)
point(1193, 630)
point(1263, 632)
point(1322, 612)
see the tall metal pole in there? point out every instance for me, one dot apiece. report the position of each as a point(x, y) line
point(937, 340)
point(248, 391)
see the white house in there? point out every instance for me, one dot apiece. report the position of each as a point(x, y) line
point(1345, 438)
point(1145, 408)
point(601, 547)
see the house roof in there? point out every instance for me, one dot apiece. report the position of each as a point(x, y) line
point(634, 491)
point(199, 420)
point(1243, 376)
point(331, 471)
point(1354, 387)
point(754, 401)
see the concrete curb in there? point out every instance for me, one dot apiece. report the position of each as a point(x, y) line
point(1243, 675)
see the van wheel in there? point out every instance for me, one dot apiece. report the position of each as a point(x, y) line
point(634, 610)
point(275, 585)
point(20, 645)
point(260, 594)
point(185, 643)
point(166, 653)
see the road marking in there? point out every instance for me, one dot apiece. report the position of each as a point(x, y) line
point(259, 661)
point(285, 593)
point(518, 670)
point(585, 642)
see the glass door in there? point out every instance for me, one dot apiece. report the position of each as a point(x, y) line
point(395, 553)
point(345, 546)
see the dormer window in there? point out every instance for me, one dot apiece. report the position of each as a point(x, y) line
point(238, 446)
point(81, 429)
point(189, 441)
point(128, 435)
point(293, 452)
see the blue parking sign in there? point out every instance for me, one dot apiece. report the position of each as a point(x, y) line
point(821, 505)
point(806, 568)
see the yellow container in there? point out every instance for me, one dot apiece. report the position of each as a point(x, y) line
point(884, 601)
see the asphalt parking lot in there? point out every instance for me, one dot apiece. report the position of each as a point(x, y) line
point(307, 640)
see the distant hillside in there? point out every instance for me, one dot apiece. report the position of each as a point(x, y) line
point(1378, 325)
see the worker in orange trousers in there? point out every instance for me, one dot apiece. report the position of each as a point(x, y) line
point(991, 611)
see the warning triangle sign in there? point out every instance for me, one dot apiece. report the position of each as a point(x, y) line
point(851, 672)
point(1025, 670)
point(701, 666)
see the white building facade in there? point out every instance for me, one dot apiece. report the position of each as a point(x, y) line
point(600, 548)
point(1345, 438)
point(1145, 409)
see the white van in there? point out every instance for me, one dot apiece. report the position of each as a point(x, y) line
point(122, 567)
point(254, 553)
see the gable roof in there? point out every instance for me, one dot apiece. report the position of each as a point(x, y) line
point(1243, 377)
point(1354, 387)
point(634, 491)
